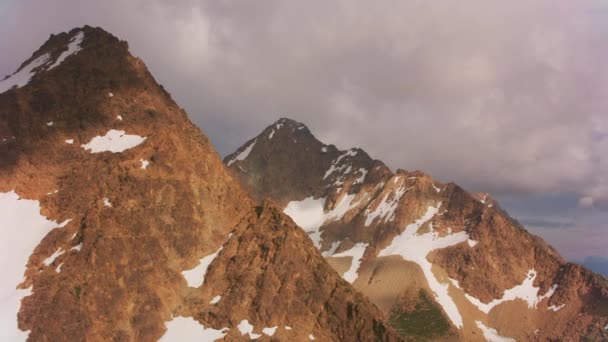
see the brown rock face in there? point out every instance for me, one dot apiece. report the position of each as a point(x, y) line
point(143, 215)
point(395, 234)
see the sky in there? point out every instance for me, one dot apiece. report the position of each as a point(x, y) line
point(506, 97)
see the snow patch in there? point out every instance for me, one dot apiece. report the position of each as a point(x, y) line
point(436, 188)
point(196, 276)
point(243, 155)
point(107, 202)
point(77, 248)
point(556, 308)
point(332, 249)
point(287, 327)
point(50, 123)
point(119, 117)
point(246, 328)
point(53, 256)
point(69, 141)
point(333, 166)
point(269, 331)
point(215, 300)
point(73, 48)
point(386, 208)
point(361, 178)
point(357, 254)
point(309, 214)
point(58, 268)
point(110, 95)
point(311, 337)
point(413, 247)
point(472, 243)
point(187, 329)
point(271, 134)
point(23, 216)
point(526, 291)
point(144, 163)
point(23, 76)
point(491, 335)
point(113, 141)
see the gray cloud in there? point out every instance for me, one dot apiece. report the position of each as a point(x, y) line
point(499, 96)
point(507, 97)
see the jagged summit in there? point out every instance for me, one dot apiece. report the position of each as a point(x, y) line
point(287, 153)
point(414, 246)
point(56, 50)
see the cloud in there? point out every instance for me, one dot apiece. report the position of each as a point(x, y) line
point(505, 97)
point(586, 202)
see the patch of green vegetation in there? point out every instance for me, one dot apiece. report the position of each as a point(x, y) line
point(77, 290)
point(426, 321)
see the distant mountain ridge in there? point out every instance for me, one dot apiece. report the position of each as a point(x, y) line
point(443, 264)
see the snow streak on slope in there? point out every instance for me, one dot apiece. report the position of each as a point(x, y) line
point(244, 154)
point(23, 76)
point(386, 208)
point(73, 47)
point(310, 214)
point(526, 291)
point(196, 276)
point(491, 335)
point(113, 141)
point(246, 328)
point(334, 166)
point(20, 220)
point(186, 329)
point(413, 247)
point(356, 253)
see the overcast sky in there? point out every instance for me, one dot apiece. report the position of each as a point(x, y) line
point(508, 97)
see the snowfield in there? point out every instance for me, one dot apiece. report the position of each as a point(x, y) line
point(73, 48)
point(186, 329)
point(385, 210)
point(113, 141)
point(244, 154)
point(196, 276)
point(491, 335)
point(357, 254)
point(21, 220)
point(23, 76)
point(310, 214)
point(413, 247)
point(526, 291)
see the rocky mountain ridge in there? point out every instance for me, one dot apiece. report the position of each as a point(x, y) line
point(403, 237)
point(124, 224)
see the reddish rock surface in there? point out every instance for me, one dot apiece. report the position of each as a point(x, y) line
point(125, 282)
point(287, 163)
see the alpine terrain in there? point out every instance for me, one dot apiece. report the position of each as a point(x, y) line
point(121, 223)
point(441, 263)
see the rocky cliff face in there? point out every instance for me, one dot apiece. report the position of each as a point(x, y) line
point(443, 264)
point(121, 222)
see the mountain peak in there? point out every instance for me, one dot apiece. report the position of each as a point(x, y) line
point(400, 228)
point(56, 51)
point(155, 233)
